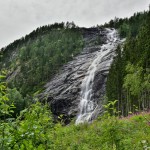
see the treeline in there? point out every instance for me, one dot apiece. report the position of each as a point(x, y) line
point(128, 26)
point(38, 32)
point(34, 59)
point(8, 50)
point(129, 76)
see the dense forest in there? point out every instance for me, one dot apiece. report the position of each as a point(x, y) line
point(129, 77)
point(28, 63)
point(37, 57)
point(33, 60)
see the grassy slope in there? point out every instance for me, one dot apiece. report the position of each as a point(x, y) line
point(105, 134)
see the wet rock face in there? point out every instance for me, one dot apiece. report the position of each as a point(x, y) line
point(63, 91)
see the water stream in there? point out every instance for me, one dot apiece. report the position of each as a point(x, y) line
point(87, 106)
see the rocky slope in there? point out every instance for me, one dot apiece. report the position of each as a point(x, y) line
point(63, 92)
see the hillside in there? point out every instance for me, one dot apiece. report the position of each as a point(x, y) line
point(61, 75)
point(34, 59)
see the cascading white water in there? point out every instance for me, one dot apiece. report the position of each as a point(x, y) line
point(87, 106)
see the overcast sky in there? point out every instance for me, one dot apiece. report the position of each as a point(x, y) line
point(20, 17)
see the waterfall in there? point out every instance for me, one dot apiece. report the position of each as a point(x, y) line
point(88, 108)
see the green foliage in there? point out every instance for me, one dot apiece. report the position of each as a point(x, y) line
point(128, 26)
point(106, 134)
point(34, 61)
point(133, 79)
point(5, 108)
point(5, 112)
point(16, 98)
point(124, 30)
point(33, 129)
point(110, 108)
point(128, 79)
